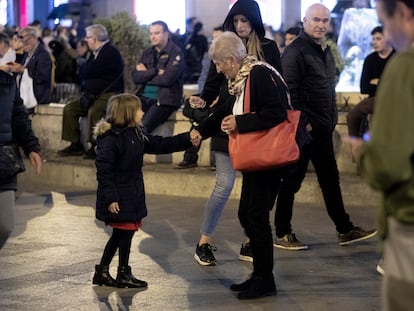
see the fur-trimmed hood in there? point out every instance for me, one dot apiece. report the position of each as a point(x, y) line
point(104, 126)
point(101, 127)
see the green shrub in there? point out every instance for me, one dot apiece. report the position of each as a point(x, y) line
point(130, 38)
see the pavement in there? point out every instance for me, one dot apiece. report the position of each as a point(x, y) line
point(48, 263)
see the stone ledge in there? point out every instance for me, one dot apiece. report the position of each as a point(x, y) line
point(194, 182)
point(47, 123)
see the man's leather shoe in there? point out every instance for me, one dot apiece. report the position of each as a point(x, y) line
point(185, 164)
point(90, 154)
point(74, 149)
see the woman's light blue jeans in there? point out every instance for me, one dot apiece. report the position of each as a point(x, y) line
point(225, 177)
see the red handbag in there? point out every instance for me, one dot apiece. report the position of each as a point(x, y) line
point(265, 149)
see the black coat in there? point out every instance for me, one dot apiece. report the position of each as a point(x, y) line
point(216, 84)
point(119, 160)
point(104, 71)
point(310, 73)
point(268, 104)
point(15, 124)
point(39, 68)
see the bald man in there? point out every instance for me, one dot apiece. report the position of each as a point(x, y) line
point(309, 70)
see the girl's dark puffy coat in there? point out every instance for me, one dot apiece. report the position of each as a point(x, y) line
point(119, 161)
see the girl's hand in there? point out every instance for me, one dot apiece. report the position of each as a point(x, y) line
point(195, 137)
point(113, 208)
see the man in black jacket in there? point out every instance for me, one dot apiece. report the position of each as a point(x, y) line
point(160, 71)
point(38, 62)
point(309, 69)
point(102, 77)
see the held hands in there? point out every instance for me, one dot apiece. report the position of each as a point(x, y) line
point(195, 138)
point(113, 208)
point(228, 124)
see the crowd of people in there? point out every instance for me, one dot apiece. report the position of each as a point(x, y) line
point(304, 76)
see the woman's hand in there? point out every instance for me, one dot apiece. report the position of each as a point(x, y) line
point(113, 208)
point(228, 124)
point(197, 102)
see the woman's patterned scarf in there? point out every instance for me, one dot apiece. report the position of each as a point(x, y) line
point(236, 85)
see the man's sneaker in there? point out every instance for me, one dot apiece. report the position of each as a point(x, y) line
point(380, 267)
point(204, 255)
point(73, 149)
point(246, 252)
point(289, 242)
point(354, 235)
point(185, 164)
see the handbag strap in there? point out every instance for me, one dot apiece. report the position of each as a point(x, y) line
point(246, 101)
point(277, 73)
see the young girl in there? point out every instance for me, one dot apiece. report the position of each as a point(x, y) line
point(120, 203)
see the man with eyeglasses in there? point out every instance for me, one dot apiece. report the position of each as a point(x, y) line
point(38, 63)
point(102, 77)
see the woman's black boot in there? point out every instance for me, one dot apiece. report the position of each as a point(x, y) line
point(126, 279)
point(102, 276)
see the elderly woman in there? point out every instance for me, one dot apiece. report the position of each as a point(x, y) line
point(268, 101)
point(244, 19)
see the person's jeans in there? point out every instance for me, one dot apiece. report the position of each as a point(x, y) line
point(155, 114)
point(7, 199)
point(225, 177)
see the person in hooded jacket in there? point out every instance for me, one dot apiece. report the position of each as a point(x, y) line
point(245, 20)
point(120, 200)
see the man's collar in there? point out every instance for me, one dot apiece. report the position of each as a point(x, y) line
point(100, 46)
point(31, 52)
point(160, 49)
point(96, 52)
